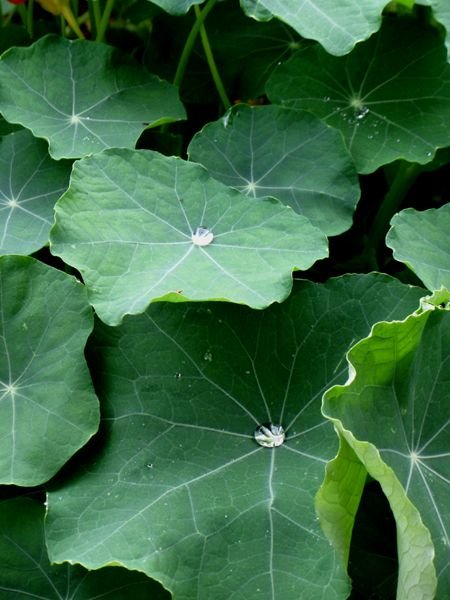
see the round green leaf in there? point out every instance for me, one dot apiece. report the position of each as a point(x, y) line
point(48, 408)
point(82, 96)
point(27, 572)
point(394, 414)
point(128, 223)
point(338, 26)
point(287, 154)
point(420, 239)
point(390, 97)
point(30, 184)
point(179, 487)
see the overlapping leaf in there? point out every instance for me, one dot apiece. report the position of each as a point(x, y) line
point(128, 223)
point(179, 488)
point(82, 96)
point(394, 414)
point(421, 240)
point(27, 572)
point(338, 26)
point(30, 184)
point(390, 97)
point(287, 154)
point(48, 408)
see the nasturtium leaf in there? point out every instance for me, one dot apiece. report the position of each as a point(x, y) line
point(179, 488)
point(30, 184)
point(421, 240)
point(141, 227)
point(394, 414)
point(338, 26)
point(26, 570)
point(390, 97)
point(338, 498)
point(48, 408)
point(176, 7)
point(288, 154)
point(82, 97)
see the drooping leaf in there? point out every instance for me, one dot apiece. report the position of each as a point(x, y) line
point(48, 408)
point(390, 97)
point(287, 154)
point(393, 412)
point(338, 26)
point(30, 184)
point(82, 96)
point(141, 227)
point(180, 489)
point(26, 570)
point(421, 240)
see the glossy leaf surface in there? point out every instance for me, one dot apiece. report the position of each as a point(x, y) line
point(390, 97)
point(128, 223)
point(179, 487)
point(82, 96)
point(287, 154)
point(421, 240)
point(27, 572)
point(394, 414)
point(48, 409)
point(30, 184)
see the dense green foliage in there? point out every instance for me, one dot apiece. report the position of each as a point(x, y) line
point(224, 299)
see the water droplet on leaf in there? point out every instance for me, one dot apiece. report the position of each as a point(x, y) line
point(202, 236)
point(269, 435)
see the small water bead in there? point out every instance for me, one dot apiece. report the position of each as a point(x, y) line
point(269, 435)
point(361, 112)
point(202, 236)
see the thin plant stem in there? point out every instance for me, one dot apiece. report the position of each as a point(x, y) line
point(94, 5)
point(30, 18)
point(190, 41)
point(212, 63)
point(72, 21)
point(401, 184)
point(101, 30)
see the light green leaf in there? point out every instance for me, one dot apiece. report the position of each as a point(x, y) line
point(390, 97)
point(287, 154)
point(48, 408)
point(393, 412)
point(128, 223)
point(179, 488)
point(338, 26)
point(338, 498)
point(176, 7)
point(30, 184)
point(421, 240)
point(82, 96)
point(27, 572)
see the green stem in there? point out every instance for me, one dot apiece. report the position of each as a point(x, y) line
point(101, 30)
point(402, 182)
point(30, 20)
point(211, 62)
point(94, 11)
point(184, 58)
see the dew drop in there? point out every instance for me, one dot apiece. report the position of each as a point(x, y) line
point(326, 99)
point(360, 113)
point(208, 356)
point(177, 375)
point(202, 236)
point(269, 435)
